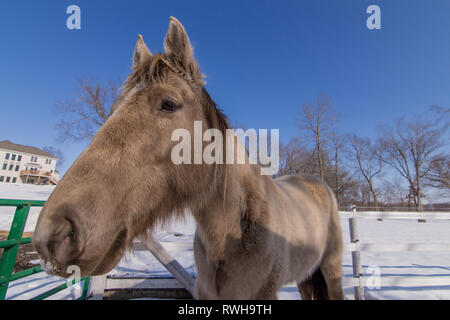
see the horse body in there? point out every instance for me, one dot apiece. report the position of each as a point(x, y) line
point(280, 234)
point(253, 235)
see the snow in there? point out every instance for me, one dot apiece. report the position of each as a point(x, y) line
point(22, 192)
point(143, 264)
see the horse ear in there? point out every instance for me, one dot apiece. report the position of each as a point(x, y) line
point(178, 48)
point(141, 52)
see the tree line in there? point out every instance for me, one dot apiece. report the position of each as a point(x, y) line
point(371, 172)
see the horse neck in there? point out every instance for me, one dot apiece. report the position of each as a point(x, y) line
point(228, 203)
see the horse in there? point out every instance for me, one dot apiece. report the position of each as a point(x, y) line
point(254, 233)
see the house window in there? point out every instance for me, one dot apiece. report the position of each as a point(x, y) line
point(2, 178)
point(17, 168)
point(5, 165)
point(33, 159)
point(49, 161)
point(14, 180)
point(19, 158)
point(13, 157)
point(8, 179)
point(7, 156)
point(11, 166)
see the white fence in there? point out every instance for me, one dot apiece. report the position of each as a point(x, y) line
point(355, 247)
point(181, 280)
point(184, 280)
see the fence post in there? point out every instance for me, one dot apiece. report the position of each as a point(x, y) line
point(169, 263)
point(97, 288)
point(356, 257)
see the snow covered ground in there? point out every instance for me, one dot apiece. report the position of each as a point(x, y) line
point(141, 263)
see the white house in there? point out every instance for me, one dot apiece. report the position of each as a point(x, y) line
point(25, 164)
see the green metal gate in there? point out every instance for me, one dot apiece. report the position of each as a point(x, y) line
point(11, 248)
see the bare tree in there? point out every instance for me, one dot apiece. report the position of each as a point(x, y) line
point(439, 174)
point(81, 116)
point(409, 148)
point(295, 158)
point(393, 193)
point(364, 194)
point(367, 161)
point(336, 175)
point(57, 153)
point(441, 114)
point(318, 118)
point(350, 193)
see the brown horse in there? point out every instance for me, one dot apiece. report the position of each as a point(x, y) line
point(254, 234)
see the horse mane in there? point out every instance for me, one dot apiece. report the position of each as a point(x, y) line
point(214, 115)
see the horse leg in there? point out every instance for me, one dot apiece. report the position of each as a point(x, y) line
point(270, 286)
point(268, 291)
point(331, 264)
point(326, 282)
point(306, 289)
point(332, 272)
point(272, 295)
point(314, 287)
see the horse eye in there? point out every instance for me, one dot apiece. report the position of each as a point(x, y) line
point(168, 106)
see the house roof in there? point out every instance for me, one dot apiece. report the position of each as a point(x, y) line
point(6, 144)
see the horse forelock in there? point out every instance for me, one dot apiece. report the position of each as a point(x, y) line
point(154, 70)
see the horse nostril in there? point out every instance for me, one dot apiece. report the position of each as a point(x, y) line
point(64, 242)
point(40, 242)
point(56, 240)
point(67, 229)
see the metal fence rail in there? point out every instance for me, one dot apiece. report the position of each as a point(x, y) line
point(11, 248)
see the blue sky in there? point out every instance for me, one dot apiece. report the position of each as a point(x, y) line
point(261, 58)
